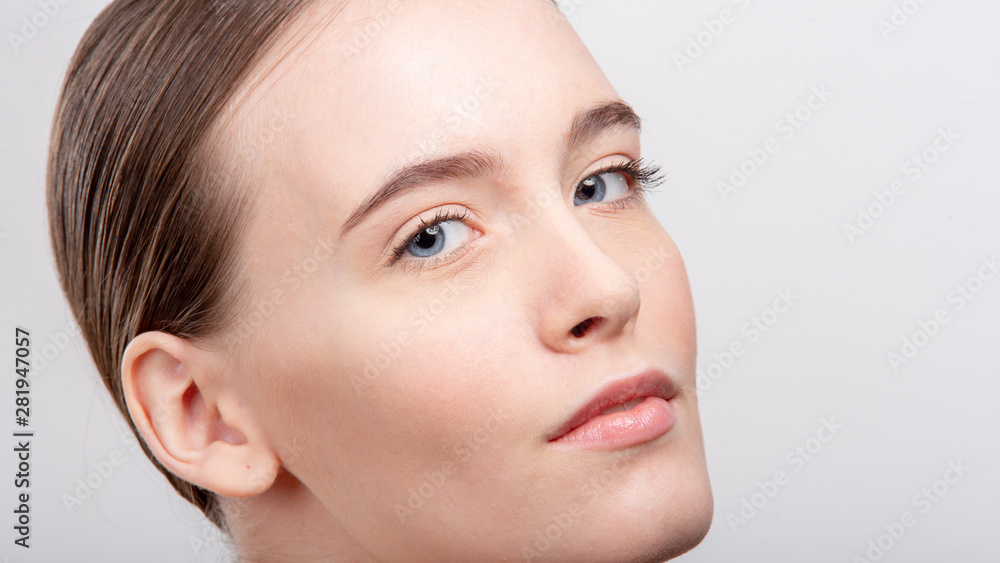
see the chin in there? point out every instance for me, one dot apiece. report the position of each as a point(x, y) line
point(664, 514)
point(689, 530)
point(679, 528)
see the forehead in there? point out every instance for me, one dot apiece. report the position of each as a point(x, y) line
point(389, 78)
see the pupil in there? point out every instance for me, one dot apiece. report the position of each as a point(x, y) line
point(426, 240)
point(589, 187)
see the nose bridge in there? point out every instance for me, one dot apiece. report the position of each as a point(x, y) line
point(579, 290)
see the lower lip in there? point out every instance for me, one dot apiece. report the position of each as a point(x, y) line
point(644, 422)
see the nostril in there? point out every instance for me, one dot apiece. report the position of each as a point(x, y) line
point(581, 328)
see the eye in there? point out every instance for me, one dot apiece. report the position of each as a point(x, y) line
point(442, 235)
point(620, 186)
point(600, 187)
point(437, 238)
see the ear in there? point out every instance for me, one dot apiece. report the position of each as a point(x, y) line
point(180, 399)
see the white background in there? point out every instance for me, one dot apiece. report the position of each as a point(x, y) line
point(825, 358)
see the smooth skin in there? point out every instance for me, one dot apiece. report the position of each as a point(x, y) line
point(366, 408)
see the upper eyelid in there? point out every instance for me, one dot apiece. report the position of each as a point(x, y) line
point(613, 162)
point(608, 161)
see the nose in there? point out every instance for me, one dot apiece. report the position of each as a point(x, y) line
point(583, 294)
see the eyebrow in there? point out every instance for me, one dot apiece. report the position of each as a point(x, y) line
point(587, 125)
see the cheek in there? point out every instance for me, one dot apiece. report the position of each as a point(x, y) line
point(355, 378)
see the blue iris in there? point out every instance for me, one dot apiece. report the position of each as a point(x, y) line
point(428, 242)
point(591, 189)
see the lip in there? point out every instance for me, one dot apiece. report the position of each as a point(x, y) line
point(654, 416)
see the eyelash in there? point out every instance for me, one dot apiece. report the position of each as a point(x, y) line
point(643, 179)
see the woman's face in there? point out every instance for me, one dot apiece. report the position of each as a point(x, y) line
point(414, 385)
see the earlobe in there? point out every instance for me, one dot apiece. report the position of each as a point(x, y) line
point(196, 426)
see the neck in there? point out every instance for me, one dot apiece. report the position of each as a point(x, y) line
point(288, 524)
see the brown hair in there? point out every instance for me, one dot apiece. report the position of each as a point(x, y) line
point(144, 234)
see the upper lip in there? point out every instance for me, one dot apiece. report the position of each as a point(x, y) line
point(649, 383)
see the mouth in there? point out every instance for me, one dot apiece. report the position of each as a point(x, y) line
point(625, 413)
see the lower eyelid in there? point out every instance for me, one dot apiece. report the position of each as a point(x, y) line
point(419, 264)
point(636, 197)
point(629, 201)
